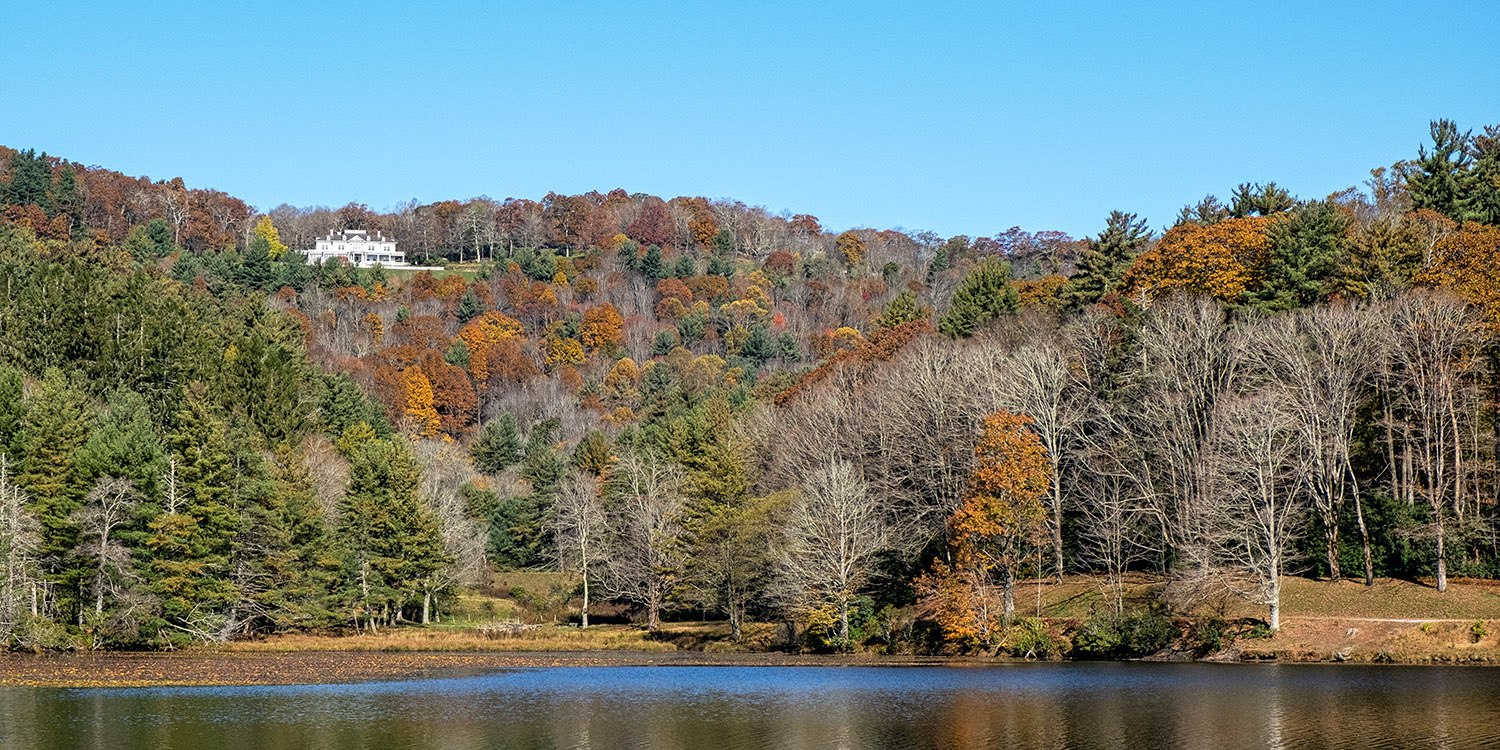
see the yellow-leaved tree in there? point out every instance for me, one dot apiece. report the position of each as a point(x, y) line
point(267, 231)
point(421, 415)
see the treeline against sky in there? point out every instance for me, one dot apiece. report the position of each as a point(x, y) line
point(695, 405)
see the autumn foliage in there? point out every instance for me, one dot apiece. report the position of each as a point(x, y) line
point(1220, 260)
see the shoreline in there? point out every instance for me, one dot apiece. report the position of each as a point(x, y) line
point(230, 668)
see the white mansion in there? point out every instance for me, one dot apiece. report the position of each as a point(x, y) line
point(357, 248)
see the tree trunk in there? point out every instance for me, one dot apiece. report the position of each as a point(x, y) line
point(426, 607)
point(844, 620)
point(1008, 586)
point(1331, 539)
point(585, 618)
point(1364, 532)
point(1057, 543)
point(1442, 556)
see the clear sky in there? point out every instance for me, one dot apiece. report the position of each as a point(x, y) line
point(952, 117)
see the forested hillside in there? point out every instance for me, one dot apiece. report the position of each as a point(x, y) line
point(696, 405)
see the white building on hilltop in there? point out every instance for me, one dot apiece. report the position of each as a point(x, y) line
point(357, 248)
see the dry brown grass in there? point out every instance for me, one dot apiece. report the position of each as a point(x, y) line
point(416, 638)
point(1465, 599)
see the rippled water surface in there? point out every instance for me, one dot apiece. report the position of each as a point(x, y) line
point(1011, 706)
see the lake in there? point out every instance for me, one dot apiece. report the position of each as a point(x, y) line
point(1040, 705)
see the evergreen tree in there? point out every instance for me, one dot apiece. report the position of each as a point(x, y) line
point(984, 295)
point(294, 555)
point(1260, 200)
point(1204, 213)
point(457, 354)
point(685, 268)
point(902, 309)
point(721, 263)
point(651, 265)
point(255, 271)
point(1440, 179)
point(55, 428)
point(391, 541)
point(940, 262)
point(469, 307)
point(191, 539)
point(518, 534)
point(787, 349)
point(126, 445)
point(1307, 252)
point(593, 454)
point(1107, 259)
point(66, 199)
point(30, 177)
point(1484, 194)
point(342, 405)
point(12, 411)
point(498, 446)
point(666, 341)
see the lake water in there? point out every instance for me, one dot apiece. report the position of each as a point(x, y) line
point(1103, 705)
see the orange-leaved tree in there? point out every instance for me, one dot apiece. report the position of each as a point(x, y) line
point(1222, 259)
point(1468, 262)
point(602, 328)
point(1002, 514)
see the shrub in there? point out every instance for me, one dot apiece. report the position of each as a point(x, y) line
point(1208, 635)
point(1145, 632)
point(1099, 637)
point(1477, 631)
point(1031, 638)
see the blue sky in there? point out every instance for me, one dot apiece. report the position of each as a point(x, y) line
point(952, 117)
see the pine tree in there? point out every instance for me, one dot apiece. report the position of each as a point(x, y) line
point(1440, 179)
point(30, 177)
point(12, 411)
point(391, 541)
point(457, 354)
point(1484, 194)
point(721, 263)
point(498, 446)
point(984, 295)
point(55, 428)
point(650, 265)
point(1307, 252)
point(469, 307)
point(902, 309)
point(255, 270)
point(1259, 200)
point(126, 445)
point(66, 199)
point(1204, 213)
point(191, 538)
point(1107, 259)
point(940, 262)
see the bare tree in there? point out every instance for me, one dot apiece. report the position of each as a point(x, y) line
point(445, 470)
point(1434, 338)
point(1258, 512)
point(1112, 486)
point(1322, 360)
point(1190, 359)
point(578, 529)
point(111, 502)
point(20, 541)
point(646, 520)
point(834, 533)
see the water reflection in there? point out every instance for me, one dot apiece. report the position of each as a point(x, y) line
point(1011, 706)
